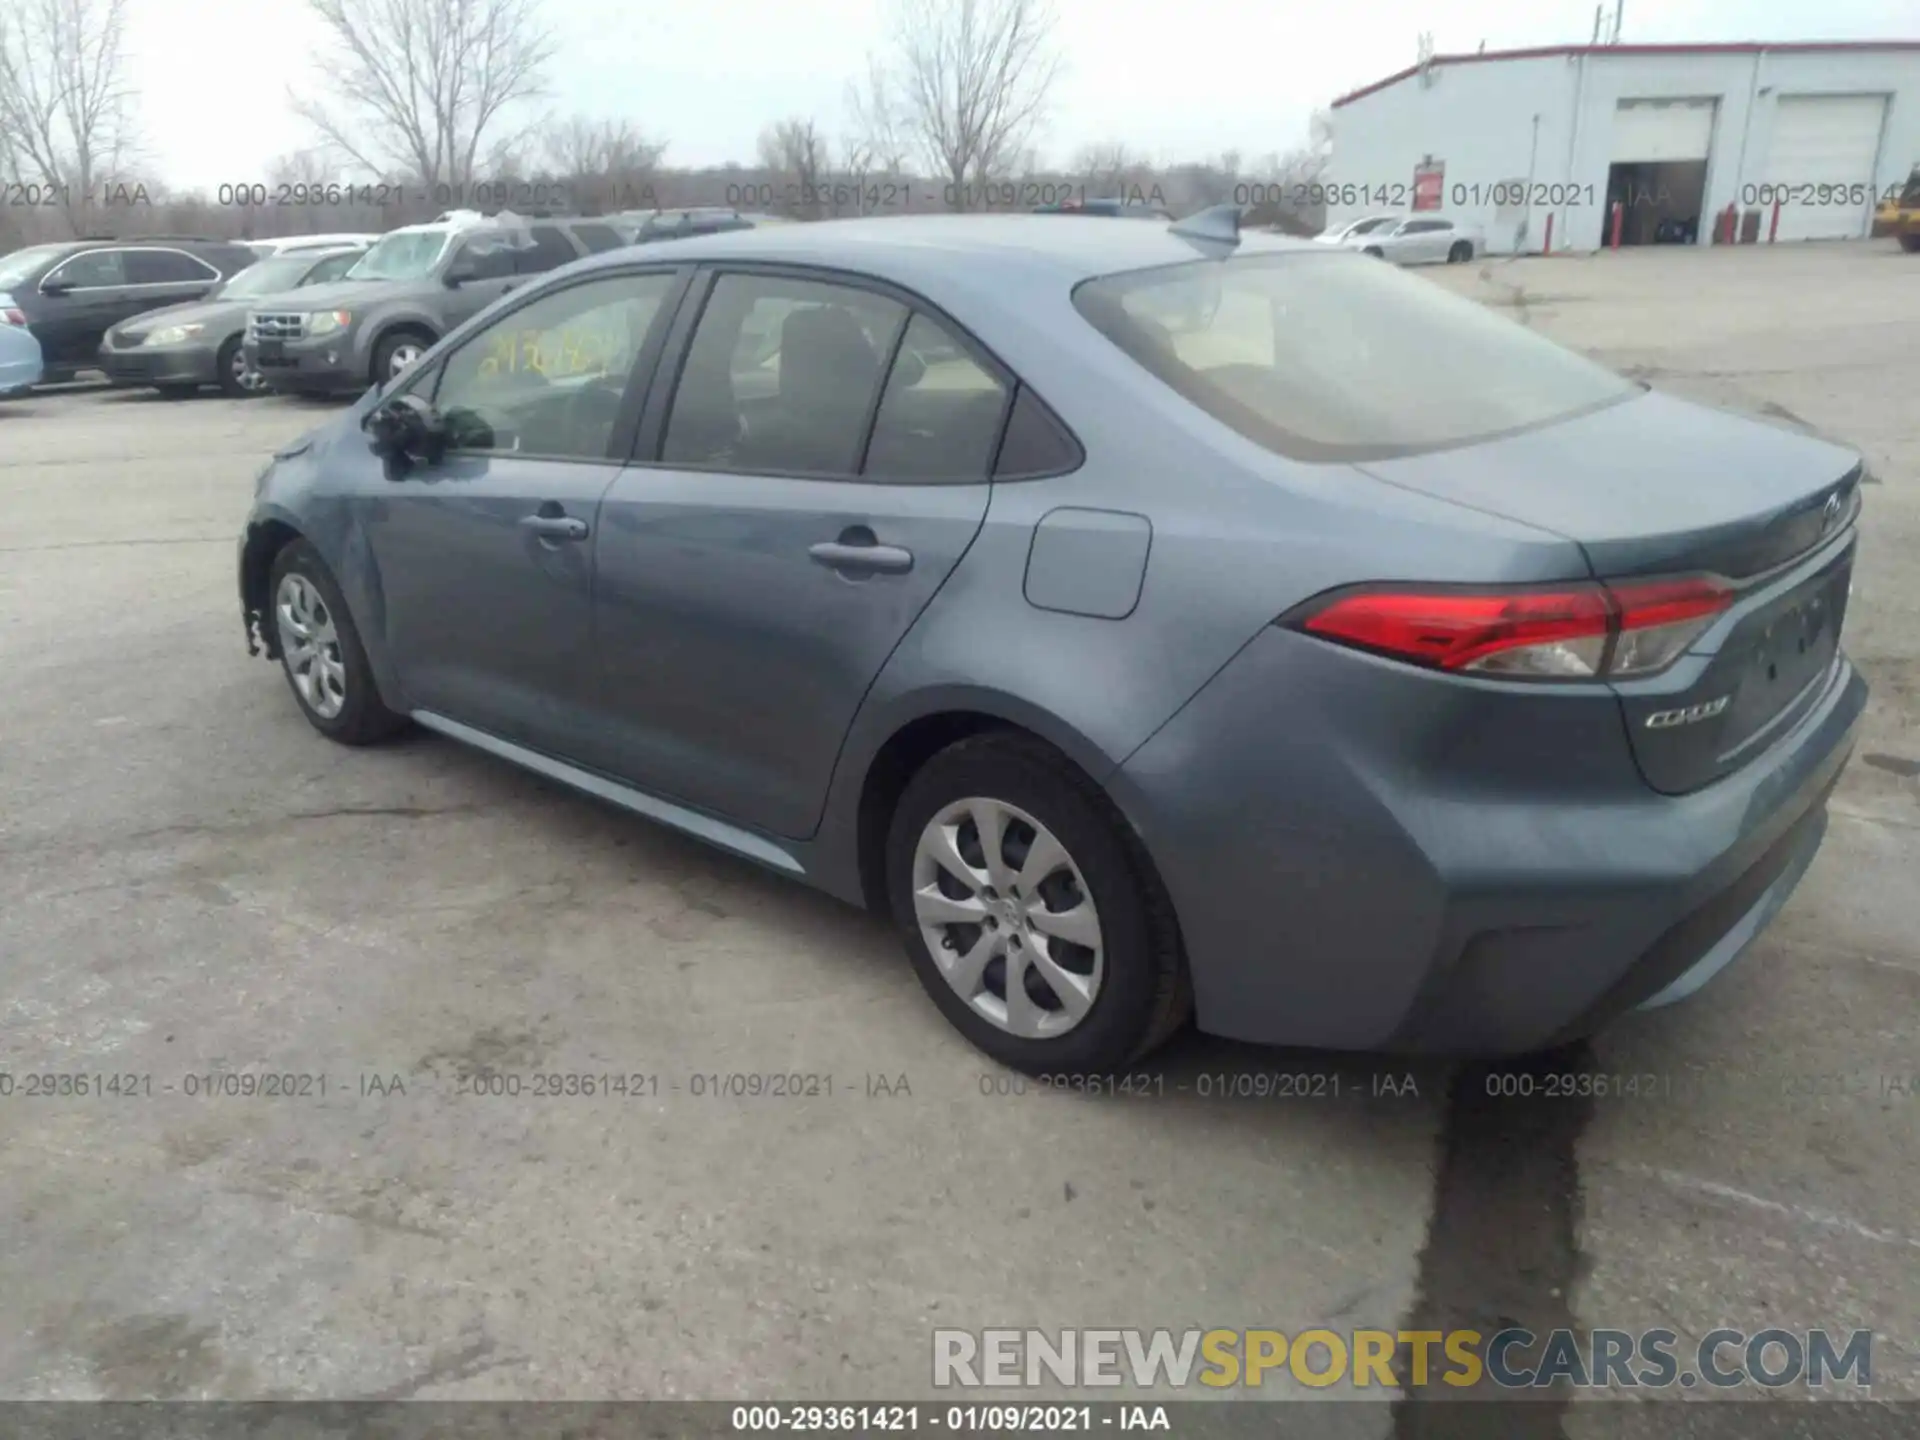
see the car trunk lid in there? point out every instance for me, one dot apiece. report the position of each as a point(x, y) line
point(1655, 487)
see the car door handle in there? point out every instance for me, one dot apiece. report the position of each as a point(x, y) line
point(555, 527)
point(870, 558)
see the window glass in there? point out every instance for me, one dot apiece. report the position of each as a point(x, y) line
point(402, 255)
point(550, 250)
point(598, 237)
point(167, 267)
point(1331, 356)
point(92, 268)
point(781, 376)
point(1036, 443)
point(331, 268)
point(940, 416)
point(489, 258)
point(266, 277)
point(549, 378)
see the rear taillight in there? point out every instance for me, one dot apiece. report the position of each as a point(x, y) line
point(11, 316)
point(1566, 632)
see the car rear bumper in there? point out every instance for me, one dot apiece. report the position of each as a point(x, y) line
point(1367, 856)
point(168, 365)
point(307, 366)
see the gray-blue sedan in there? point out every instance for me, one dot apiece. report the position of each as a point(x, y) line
point(1152, 620)
point(21, 366)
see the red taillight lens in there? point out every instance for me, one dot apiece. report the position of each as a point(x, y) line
point(1572, 632)
point(13, 317)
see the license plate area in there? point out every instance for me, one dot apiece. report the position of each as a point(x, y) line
point(271, 352)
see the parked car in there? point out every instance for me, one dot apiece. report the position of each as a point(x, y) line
point(643, 227)
point(1419, 240)
point(179, 348)
point(1265, 668)
point(284, 244)
point(72, 292)
point(1345, 230)
point(20, 363)
point(411, 287)
point(1115, 208)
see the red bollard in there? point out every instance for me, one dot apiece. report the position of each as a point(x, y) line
point(1619, 218)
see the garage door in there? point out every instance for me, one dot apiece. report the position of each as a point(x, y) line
point(1650, 131)
point(1823, 148)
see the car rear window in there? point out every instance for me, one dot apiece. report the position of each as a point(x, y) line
point(1334, 356)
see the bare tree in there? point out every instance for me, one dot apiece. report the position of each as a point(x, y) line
point(420, 83)
point(877, 146)
point(795, 152)
point(65, 108)
point(611, 164)
point(971, 84)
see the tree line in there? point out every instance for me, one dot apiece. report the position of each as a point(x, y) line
point(443, 104)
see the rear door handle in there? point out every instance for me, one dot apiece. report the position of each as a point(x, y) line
point(868, 559)
point(555, 527)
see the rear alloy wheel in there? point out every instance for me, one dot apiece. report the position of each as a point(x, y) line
point(1030, 912)
point(1375, 251)
point(1461, 252)
point(320, 650)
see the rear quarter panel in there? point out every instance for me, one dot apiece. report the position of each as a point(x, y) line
point(1239, 537)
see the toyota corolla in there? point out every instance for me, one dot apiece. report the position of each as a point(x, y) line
point(1135, 614)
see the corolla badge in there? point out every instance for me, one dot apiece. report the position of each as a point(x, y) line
point(1667, 719)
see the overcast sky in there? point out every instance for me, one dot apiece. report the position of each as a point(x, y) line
point(1173, 78)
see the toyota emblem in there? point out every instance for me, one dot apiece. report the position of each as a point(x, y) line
point(1830, 513)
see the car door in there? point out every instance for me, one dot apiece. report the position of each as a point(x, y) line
point(806, 497)
point(484, 560)
point(490, 273)
point(81, 298)
point(1431, 241)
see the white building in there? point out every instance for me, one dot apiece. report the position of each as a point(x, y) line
point(1801, 140)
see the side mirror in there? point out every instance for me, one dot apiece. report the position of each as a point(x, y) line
point(54, 287)
point(909, 368)
point(460, 272)
point(404, 431)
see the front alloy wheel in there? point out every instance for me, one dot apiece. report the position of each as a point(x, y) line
point(403, 355)
point(310, 645)
point(1007, 918)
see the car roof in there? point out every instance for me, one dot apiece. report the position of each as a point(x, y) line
point(905, 248)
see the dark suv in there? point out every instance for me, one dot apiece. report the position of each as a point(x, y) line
point(645, 226)
point(410, 288)
point(71, 293)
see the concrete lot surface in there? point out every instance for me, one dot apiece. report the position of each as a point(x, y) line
point(195, 887)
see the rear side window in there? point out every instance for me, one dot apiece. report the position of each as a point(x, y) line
point(940, 414)
point(1036, 443)
point(168, 267)
point(781, 376)
point(551, 249)
point(1332, 356)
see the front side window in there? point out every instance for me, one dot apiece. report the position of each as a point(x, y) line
point(1367, 227)
point(332, 268)
point(549, 379)
point(403, 255)
point(598, 237)
point(1329, 356)
point(781, 376)
point(549, 251)
point(91, 270)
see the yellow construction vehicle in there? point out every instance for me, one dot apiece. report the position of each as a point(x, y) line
point(1899, 214)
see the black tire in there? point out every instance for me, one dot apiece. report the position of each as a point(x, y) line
point(383, 353)
point(1461, 252)
point(363, 717)
point(1375, 251)
point(1144, 996)
point(228, 382)
point(1910, 242)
